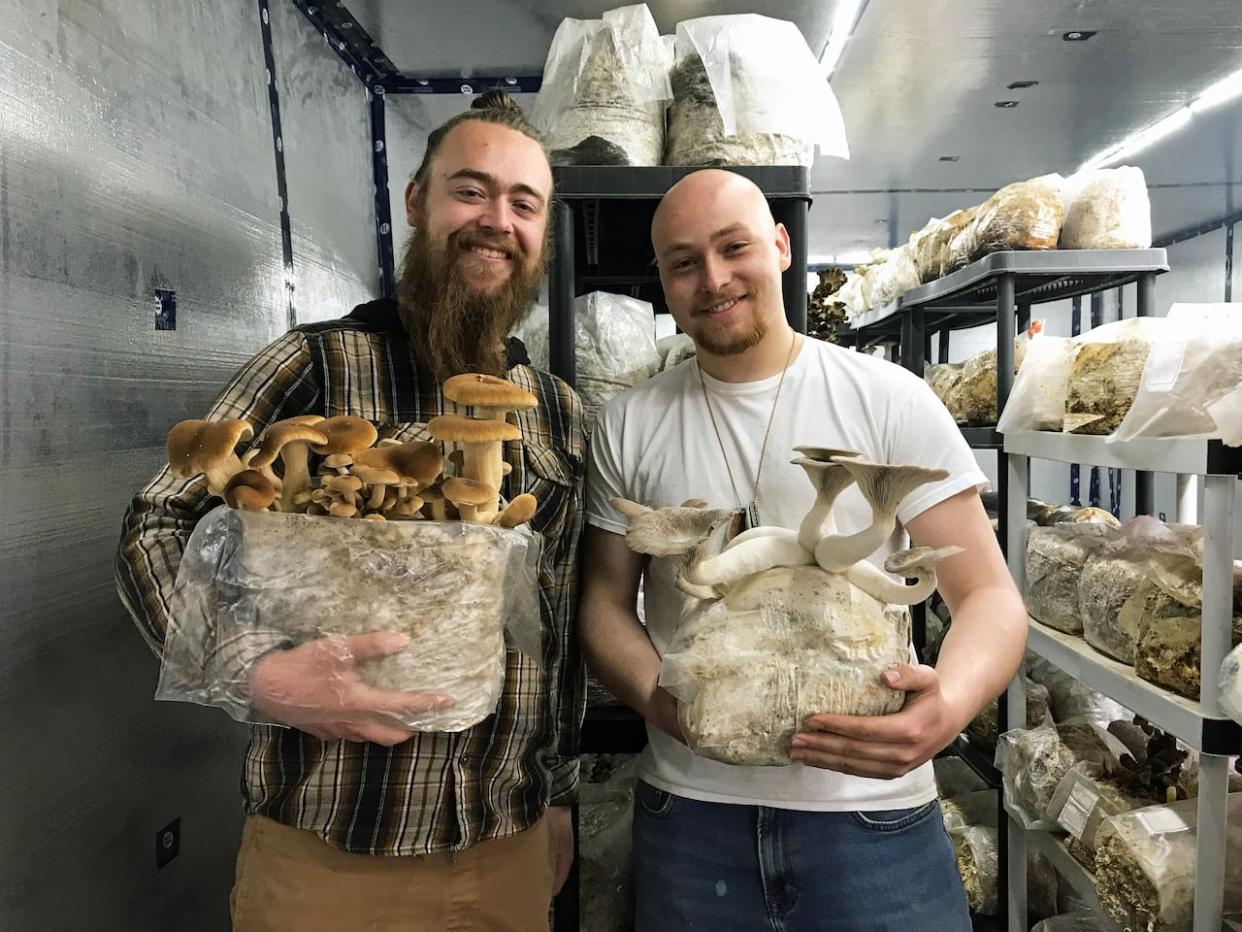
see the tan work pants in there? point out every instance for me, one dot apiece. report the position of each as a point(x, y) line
point(289, 880)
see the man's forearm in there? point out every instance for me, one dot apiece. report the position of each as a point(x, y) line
point(982, 650)
point(620, 655)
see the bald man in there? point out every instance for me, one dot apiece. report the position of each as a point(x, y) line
point(848, 836)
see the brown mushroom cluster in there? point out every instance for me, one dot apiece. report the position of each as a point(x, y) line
point(357, 477)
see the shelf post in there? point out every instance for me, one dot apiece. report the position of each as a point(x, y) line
point(1144, 487)
point(1220, 499)
point(1004, 340)
point(1014, 468)
point(561, 294)
point(793, 214)
point(1187, 499)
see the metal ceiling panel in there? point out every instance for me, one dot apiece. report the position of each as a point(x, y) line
point(503, 37)
point(920, 80)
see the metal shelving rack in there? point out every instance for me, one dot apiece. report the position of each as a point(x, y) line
point(1002, 288)
point(602, 230)
point(601, 227)
point(1201, 725)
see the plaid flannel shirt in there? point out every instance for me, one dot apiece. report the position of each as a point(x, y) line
point(437, 791)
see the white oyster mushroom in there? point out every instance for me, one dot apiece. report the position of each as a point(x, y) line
point(757, 554)
point(917, 562)
point(683, 534)
point(830, 480)
point(883, 487)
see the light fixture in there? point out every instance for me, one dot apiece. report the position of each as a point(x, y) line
point(1079, 35)
point(1216, 94)
point(949, 158)
point(849, 257)
point(844, 20)
point(1224, 90)
point(1022, 85)
point(1006, 104)
point(1139, 141)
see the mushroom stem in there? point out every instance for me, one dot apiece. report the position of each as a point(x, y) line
point(297, 473)
point(830, 480)
point(884, 487)
point(754, 556)
point(755, 533)
point(836, 553)
point(870, 580)
point(482, 462)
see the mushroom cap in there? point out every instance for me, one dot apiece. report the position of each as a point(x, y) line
point(346, 434)
point(250, 489)
point(342, 509)
point(488, 391)
point(305, 419)
point(468, 492)
point(823, 454)
point(518, 511)
point(280, 435)
point(374, 516)
point(338, 460)
point(918, 559)
point(670, 531)
point(885, 486)
point(343, 483)
point(458, 429)
point(828, 478)
point(415, 461)
point(195, 445)
point(375, 475)
point(694, 503)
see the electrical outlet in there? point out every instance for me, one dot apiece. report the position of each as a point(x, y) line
point(167, 842)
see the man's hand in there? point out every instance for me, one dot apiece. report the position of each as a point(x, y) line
point(561, 821)
point(316, 688)
point(884, 746)
point(663, 714)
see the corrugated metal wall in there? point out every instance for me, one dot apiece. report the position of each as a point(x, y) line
point(136, 153)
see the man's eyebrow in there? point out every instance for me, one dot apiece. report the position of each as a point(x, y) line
point(490, 180)
point(730, 230)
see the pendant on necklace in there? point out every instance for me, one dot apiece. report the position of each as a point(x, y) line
point(750, 517)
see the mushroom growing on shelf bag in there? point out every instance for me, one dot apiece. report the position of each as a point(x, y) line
point(1106, 366)
point(1055, 557)
point(1145, 865)
point(747, 90)
point(604, 90)
point(1192, 382)
point(251, 582)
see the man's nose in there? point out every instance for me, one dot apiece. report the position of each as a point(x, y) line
point(716, 274)
point(496, 216)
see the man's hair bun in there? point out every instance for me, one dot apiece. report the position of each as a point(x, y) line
point(495, 100)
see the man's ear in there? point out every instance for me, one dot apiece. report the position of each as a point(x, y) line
point(411, 202)
point(782, 247)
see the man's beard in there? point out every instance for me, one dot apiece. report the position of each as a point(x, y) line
point(455, 328)
point(727, 342)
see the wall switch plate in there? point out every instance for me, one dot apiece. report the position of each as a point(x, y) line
point(167, 842)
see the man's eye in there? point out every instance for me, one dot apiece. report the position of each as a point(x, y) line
point(469, 193)
point(735, 247)
point(525, 207)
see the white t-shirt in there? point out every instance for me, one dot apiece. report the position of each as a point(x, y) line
point(655, 445)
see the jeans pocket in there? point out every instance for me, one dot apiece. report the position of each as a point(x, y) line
point(653, 801)
point(895, 820)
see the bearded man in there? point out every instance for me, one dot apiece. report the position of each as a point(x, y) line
point(354, 821)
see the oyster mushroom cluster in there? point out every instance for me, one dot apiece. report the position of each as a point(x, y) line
point(357, 477)
point(711, 560)
point(789, 623)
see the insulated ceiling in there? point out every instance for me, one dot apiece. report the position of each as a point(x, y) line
point(919, 80)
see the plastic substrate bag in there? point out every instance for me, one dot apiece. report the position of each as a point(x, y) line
point(1037, 398)
point(1192, 381)
point(1110, 210)
point(253, 581)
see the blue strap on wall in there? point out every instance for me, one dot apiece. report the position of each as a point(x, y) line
point(282, 189)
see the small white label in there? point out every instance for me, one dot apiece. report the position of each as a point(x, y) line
point(1077, 809)
point(1162, 821)
point(1164, 365)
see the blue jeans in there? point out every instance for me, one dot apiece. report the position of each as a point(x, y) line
point(733, 868)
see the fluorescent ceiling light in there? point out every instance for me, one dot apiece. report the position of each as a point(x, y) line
point(853, 257)
point(1224, 90)
point(1140, 140)
point(843, 22)
point(1221, 92)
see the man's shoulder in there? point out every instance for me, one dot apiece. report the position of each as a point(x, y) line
point(656, 390)
point(873, 373)
point(378, 316)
